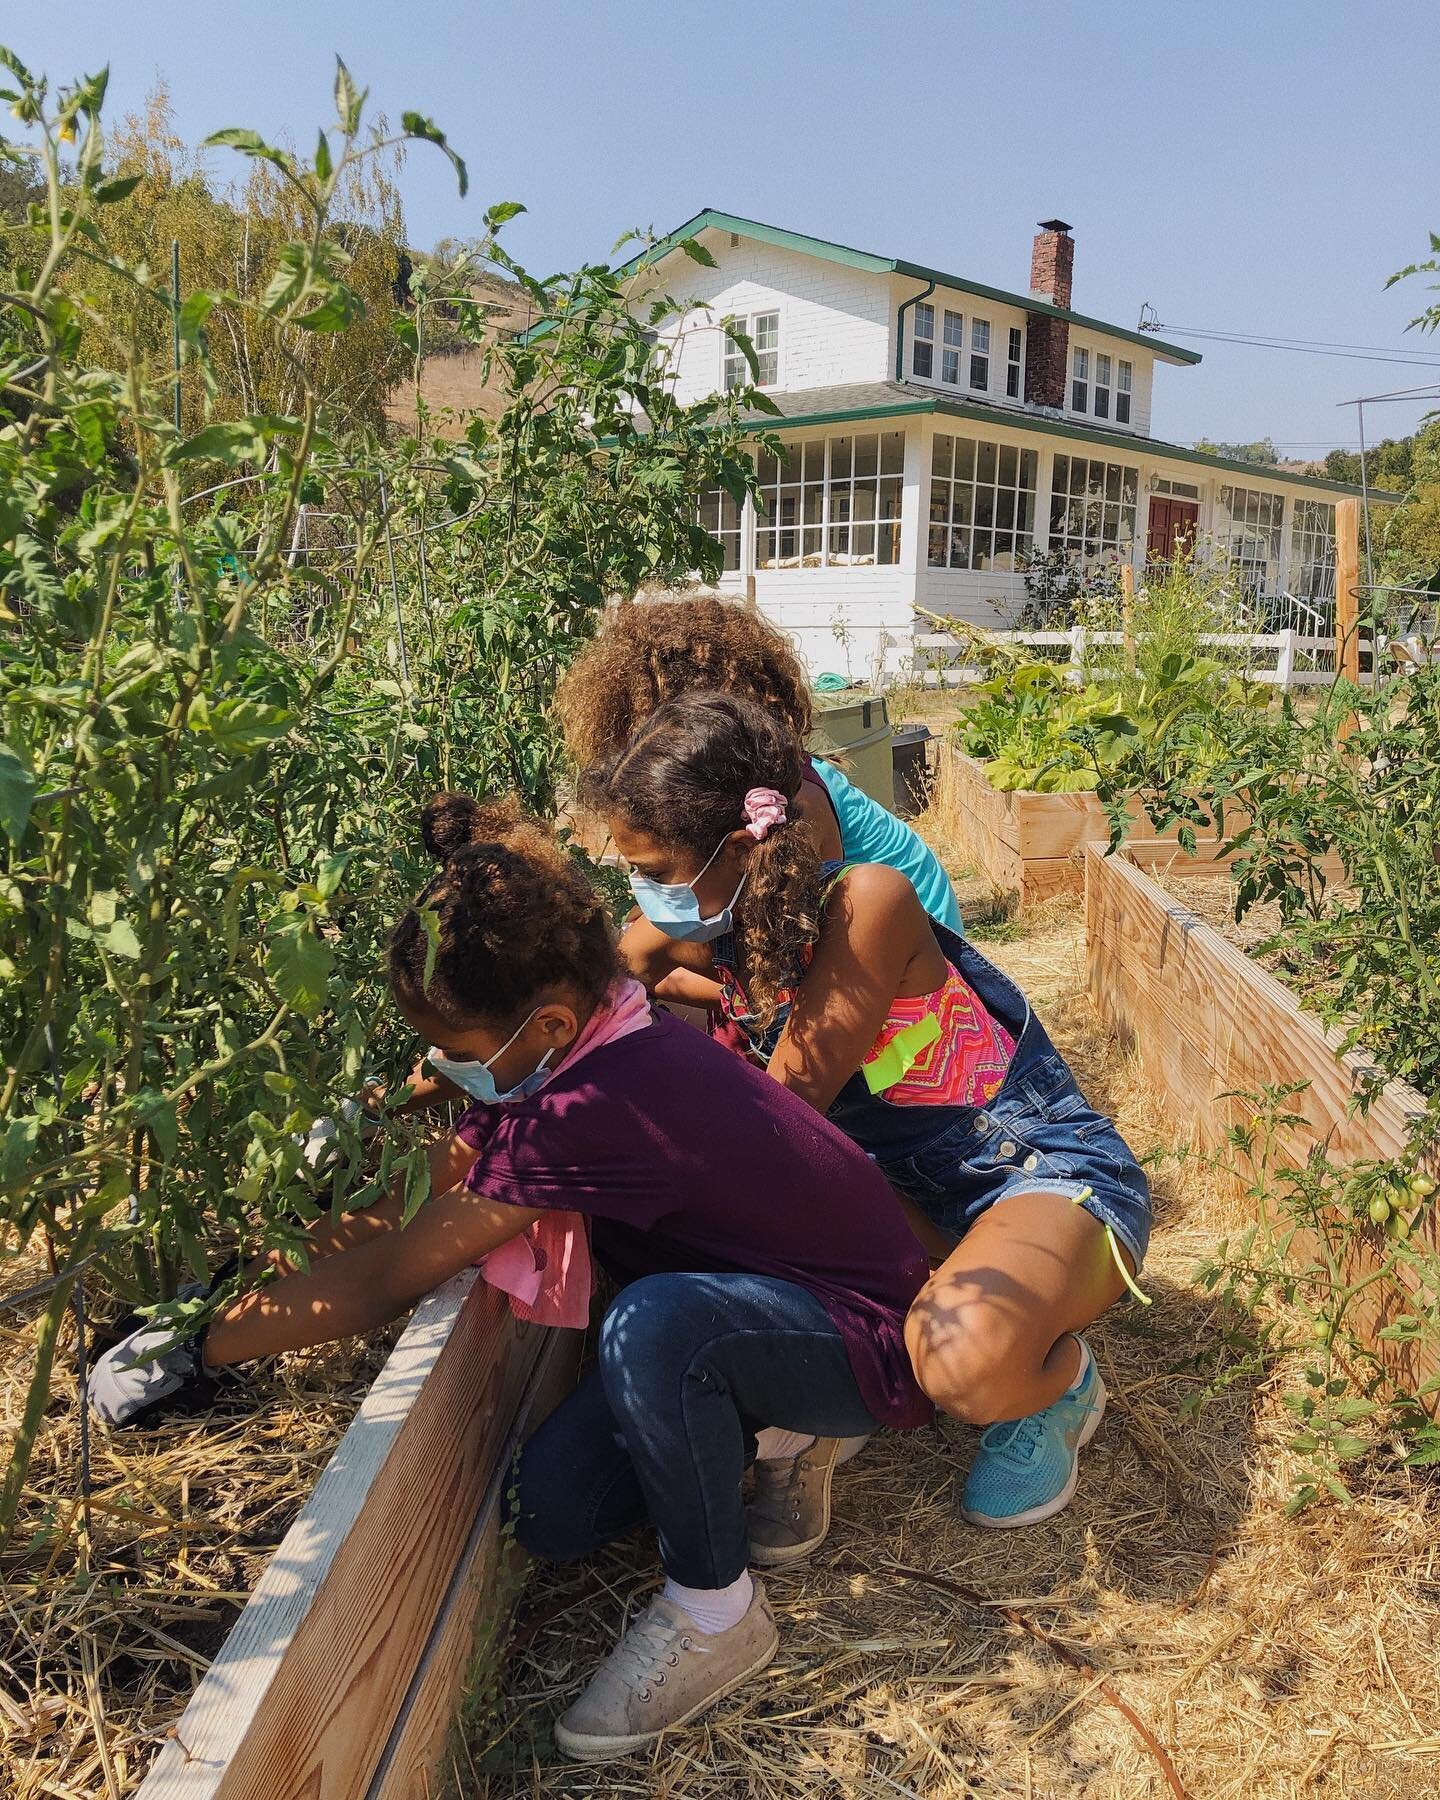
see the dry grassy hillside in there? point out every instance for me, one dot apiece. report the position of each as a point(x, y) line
point(453, 378)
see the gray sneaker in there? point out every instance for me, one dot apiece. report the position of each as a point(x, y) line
point(661, 1674)
point(789, 1512)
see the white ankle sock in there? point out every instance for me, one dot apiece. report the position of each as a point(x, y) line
point(775, 1445)
point(713, 1609)
point(1084, 1368)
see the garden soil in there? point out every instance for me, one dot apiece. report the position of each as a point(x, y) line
point(1270, 1657)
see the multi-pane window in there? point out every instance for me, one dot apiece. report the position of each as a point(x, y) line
point(1102, 385)
point(763, 330)
point(1092, 508)
point(831, 503)
point(1079, 380)
point(1250, 525)
point(1012, 363)
point(1312, 550)
point(922, 359)
point(953, 345)
point(1124, 384)
point(720, 516)
point(982, 503)
point(980, 353)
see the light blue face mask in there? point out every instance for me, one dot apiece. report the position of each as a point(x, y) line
point(476, 1079)
point(672, 906)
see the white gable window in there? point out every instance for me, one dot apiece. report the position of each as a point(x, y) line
point(1124, 385)
point(720, 516)
point(954, 344)
point(1012, 363)
point(922, 359)
point(1250, 526)
point(1079, 380)
point(1312, 550)
point(763, 331)
point(1092, 509)
point(1102, 385)
point(831, 503)
point(982, 504)
point(980, 353)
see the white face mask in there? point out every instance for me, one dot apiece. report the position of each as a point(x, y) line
point(476, 1079)
point(674, 907)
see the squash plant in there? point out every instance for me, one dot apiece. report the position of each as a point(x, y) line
point(215, 741)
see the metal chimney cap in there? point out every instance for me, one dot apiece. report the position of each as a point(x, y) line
point(1053, 225)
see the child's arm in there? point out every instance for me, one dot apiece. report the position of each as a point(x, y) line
point(368, 1271)
point(874, 929)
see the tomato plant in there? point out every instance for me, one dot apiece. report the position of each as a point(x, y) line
point(217, 731)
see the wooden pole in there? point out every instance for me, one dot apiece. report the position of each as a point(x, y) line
point(1127, 611)
point(1347, 589)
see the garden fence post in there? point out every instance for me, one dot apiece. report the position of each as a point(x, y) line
point(1285, 661)
point(1127, 613)
point(1347, 589)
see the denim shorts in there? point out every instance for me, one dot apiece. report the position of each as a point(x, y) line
point(1037, 1134)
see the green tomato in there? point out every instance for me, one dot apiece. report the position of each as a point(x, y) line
point(1379, 1209)
point(1322, 1331)
point(1422, 1186)
point(1396, 1227)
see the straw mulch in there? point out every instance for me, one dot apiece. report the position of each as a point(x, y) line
point(103, 1637)
point(1269, 1657)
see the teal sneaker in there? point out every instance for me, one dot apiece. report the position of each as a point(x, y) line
point(1027, 1468)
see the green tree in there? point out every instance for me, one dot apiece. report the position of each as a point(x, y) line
point(1262, 452)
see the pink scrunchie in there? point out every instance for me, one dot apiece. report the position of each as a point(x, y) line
point(764, 808)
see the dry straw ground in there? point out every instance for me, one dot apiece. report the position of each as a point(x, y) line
point(1271, 1657)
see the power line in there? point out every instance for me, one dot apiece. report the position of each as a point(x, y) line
point(1305, 346)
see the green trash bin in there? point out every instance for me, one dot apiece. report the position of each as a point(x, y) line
point(852, 729)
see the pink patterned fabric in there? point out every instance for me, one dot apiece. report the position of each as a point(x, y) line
point(764, 808)
point(965, 1065)
point(546, 1269)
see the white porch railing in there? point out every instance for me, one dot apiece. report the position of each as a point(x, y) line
point(1288, 659)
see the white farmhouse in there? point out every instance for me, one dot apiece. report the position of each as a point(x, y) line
point(938, 431)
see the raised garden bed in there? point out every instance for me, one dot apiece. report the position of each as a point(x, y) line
point(1031, 845)
point(342, 1674)
point(1211, 1026)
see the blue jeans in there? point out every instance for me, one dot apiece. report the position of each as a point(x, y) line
point(1037, 1134)
point(690, 1368)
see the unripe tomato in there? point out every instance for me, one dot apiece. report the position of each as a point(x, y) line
point(1422, 1186)
point(1396, 1227)
point(1379, 1209)
point(1321, 1331)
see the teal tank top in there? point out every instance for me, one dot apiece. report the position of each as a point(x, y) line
point(871, 834)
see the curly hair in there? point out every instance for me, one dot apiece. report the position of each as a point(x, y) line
point(682, 779)
point(648, 652)
point(515, 916)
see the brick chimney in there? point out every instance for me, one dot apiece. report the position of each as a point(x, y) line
point(1047, 339)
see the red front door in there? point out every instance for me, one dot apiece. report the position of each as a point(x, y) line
point(1173, 524)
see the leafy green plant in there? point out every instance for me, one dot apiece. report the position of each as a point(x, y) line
point(1325, 1242)
point(217, 729)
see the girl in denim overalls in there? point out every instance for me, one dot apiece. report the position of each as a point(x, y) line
point(920, 1050)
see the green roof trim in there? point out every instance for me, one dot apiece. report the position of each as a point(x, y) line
point(711, 220)
point(1142, 449)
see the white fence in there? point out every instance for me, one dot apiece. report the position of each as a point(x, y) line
point(1288, 659)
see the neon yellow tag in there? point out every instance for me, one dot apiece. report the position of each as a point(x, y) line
point(900, 1055)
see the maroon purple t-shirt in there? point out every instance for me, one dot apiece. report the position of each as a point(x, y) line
point(687, 1158)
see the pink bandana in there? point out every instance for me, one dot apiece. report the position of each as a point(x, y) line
point(546, 1269)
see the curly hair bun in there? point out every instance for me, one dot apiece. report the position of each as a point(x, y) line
point(451, 821)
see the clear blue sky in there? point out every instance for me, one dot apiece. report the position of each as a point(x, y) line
point(1247, 165)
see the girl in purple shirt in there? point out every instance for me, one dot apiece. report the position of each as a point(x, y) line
point(702, 1181)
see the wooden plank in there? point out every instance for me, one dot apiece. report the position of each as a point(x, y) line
point(1211, 1026)
point(301, 1699)
point(1347, 589)
point(476, 1610)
